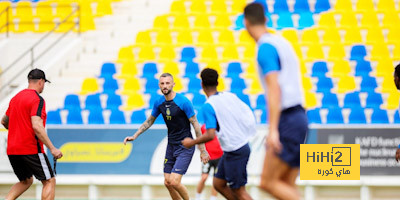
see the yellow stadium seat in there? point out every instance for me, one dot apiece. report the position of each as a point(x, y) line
point(181, 21)
point(178, 7)
point(346, 84)
point(255, 87)
point(327, 20)
point(201, 21)
point(392, 101)
point(135, 101)
point(341, 68)
point(172, 68)
point(251, 71)
point(331, 36)
point(163, 37)
point(161, 22)
point(24, 10)
point(222, 21)
point(128, 70)
point(249, 52)
point(310, 100)
point(198, 6)
point(384, 68)
point(218, 7)
point(209, 52)
point(146, 53)
point(103, 8)
point(216, 65)
point(167, 53)
point(365, 6)
point(352, 36)
point(205, 37)
point(64, 9)
point(369, 20)
point(291, 35)
point(230, 53)
point(86, 23)
point(391, 20)
point(298, 51)
point(393, 35)
point(143, 37)
point(89, 85)
point(310, 36)
point(315, 52)
point(396, 52)
point(374, 36)
point(343, 6)
point(348, 20)
point(379, 51)
point(178, 84)
point(238, 6)
point(125, 54)
point(303, 68)
point(388, 86)
point(245, 38)
point(44, 8)
point(226, 37)
point(184, 38)
point(221, 84)
point(386, 5)
point(307, 84)
point(131, 86)
point(336, 52)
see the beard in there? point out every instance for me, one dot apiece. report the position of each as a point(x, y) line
point(166, 92)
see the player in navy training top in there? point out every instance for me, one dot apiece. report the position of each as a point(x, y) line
point(178, 114)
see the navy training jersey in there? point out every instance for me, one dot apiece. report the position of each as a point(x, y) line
point(176, 114)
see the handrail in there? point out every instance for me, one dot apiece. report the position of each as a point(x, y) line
point(31, 49)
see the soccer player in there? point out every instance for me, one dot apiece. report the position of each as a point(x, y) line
point(233, 122)
point(25, 120)
point(178, 114)
point(288, 124)
point(214, 150)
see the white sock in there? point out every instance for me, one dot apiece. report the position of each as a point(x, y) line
point(198, 196)
point(213, 198)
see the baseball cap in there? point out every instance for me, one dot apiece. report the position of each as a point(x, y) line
point(37, 74)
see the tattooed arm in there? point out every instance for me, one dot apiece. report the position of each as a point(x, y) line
point(197, 129)
point(146, 125)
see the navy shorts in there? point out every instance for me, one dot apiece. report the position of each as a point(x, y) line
point(293, 128)
point(232, 167)
point(177, 158)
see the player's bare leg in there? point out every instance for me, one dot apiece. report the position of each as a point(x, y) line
point(49, 188)
point(200, 185)
point(221, 186)
point(175, 180)
point(172, 192)
point(241, 193)
point(272, 178)
point(19, 188)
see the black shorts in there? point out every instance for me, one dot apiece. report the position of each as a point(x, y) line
point(205, 169)
point(25, 166)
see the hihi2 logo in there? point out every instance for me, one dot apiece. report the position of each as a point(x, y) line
point(329, 162)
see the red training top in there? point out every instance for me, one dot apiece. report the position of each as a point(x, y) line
point(213, 147)
point(22, 140)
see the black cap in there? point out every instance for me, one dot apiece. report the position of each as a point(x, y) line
point(37, 74)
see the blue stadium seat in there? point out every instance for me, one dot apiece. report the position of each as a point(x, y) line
point(322, 5)
point(191, 70)
point(281, 6)
point(239, 22)
point(110, 85)
point(397, 117)
point(54, 117)
point(324, 84)
point(198, 100)
point(330, 100)
point(194, 85)
point(96, 116)
point(374, 100)
point(314, 116)
point(107, 70)
point(357, 116)
point(92, 102)
point(352, 100)
point(234, 70)
point(151, 85)
point(117, 117)
point(149, 70)
point(334, 116)
point(379, 116)
point(319, 69)
point(284, 21)
point(368, 84)
point(264, 116)
point(113, 101)
point(187, 54)
point(363, 68)
point(138, 117)
point(269, 22)
point(358, 52)
point(244, 97)
point(301, 6)
point(72, 102)
point(74, 116)
point(238, 85)
point(261, 103)
point(306, 20)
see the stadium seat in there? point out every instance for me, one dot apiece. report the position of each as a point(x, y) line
point(343, 6)
point(365, 6)
point(167, 53)
point(191, 70)
point(205, 37)
point(358, 52)
point(314, 116)
point(301, 6)
point(321, 6)
point(352, 36)
point(223, 21)
point(110, 85)
point(131, 86)
point(319, 69)
point(178, 7)
point(379, 51)
point(134, 102)
point(43, 9)
point(238, 6)
point(307, 83)
point(379, 116)
point(341, 68)
point(368, 84)
point(374, 36)
point(396, 52)
point(334, 116)
point(261, 102)
point(306, 20)
point(125, 54)
point(239, 22)
point(234, 69)
point(310, 100)
point(238, 85)
point(264, 116)
point(230, 53)
point(245, 38)
point(149, 70)
point(184, 38)
point(249, 52)
point(385, 68)
point(92, 102)
point(53, 117)
point(255, 87)
point(336, 52)
point(226, 37)
point(284, 21)
point(352, 100)
point(163, 38)
point(194, 85)
point(128, 70)
point(89, 85)
point(363, 68)
point(107, 70)
point(348, 20)
point(218, 7)
point(387, 86)
point(113, 101)
point(103, 8)
point(151, 85)
point(329, 100)
point(369, 20)
point(138, 117)
point(309, 36)
point(74, 116)
point(117, 117)
point(331, 37)
point(188, 54)
point(281, 6)
point(198, 7)
point(201, 21)
point(374, 100)
point(96, 116)
point(172, 68)
point(346, 84)
point(357, 116)
point(315, 52)
point(392, 101)
point(327, 19)
point(291, 35)
point(146, 53)
point(71, 101)
point(209, 53)
point(386, 5)
point(390, 19)
point(161, 22)
point(181, 22)
point(324, 84)
point(396, 117)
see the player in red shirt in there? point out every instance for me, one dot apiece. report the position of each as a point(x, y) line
point(214, 150)
point(25, 120)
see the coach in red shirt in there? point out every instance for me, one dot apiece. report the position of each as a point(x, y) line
point(25, 120)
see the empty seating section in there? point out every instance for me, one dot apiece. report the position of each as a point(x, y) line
point(346, 49)
point(42, 16)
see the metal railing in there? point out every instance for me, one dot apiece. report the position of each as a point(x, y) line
point(34, 54)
